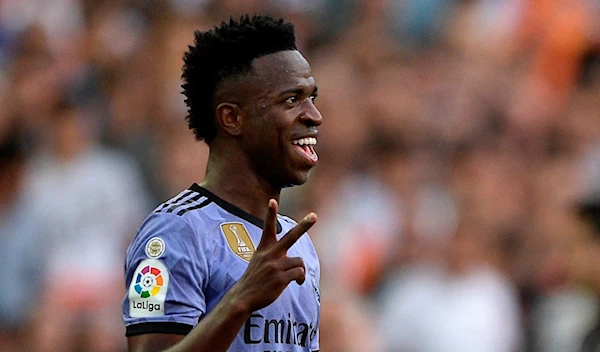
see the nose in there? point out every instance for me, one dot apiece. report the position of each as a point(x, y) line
point(311, 114)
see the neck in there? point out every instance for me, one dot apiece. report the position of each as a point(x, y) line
point(234, 180)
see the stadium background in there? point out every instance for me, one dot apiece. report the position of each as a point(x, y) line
point(461, 139)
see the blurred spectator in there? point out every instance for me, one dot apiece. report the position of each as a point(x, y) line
point(23, 247)
point(89, 201)
point(357, 231)
point(562, 310)
point(452, 298)
point(348, 322)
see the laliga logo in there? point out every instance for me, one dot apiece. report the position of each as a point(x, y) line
point(148, 284)
point(148, 289)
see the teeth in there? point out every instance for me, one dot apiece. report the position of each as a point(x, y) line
point(305, 141)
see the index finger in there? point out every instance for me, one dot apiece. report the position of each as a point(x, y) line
point(297, 231)
point(270, 227)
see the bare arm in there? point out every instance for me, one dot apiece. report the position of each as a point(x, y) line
point(152, 342)
point(214, 333)
point(267, 275)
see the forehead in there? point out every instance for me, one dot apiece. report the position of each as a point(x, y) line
point(283, 70)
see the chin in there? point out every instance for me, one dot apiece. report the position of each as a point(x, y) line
point(298, 179)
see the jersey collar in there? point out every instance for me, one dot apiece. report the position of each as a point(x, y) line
point(231, 208)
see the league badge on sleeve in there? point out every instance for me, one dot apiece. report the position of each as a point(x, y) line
point(238, 239)
point(148, 289)
point(155, 247)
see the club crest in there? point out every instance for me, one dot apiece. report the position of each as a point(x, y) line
point(238, 239)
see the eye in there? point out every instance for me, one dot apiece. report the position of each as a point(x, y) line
point(313, 97)
point(292, 100)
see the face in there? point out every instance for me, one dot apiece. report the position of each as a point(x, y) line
point(280, 131)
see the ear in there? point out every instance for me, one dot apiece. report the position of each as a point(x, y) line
point(230, 117)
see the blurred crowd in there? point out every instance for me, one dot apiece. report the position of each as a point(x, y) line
point(458, 189)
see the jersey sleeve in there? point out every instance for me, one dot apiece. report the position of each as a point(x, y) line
point(166, 271)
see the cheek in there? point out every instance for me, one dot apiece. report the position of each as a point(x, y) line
point(265, 143)
point(270, 133)
point(273, 137)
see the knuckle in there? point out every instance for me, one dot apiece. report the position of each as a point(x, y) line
point(281, 279)
point(272, 267)
point(268, 265)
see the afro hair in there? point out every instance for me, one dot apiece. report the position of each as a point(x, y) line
point(225, 52)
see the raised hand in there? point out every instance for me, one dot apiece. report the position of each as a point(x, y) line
point(270, 269)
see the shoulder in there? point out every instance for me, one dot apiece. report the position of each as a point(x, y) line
point(180, 224)
point(176, 245)
point(160, 232)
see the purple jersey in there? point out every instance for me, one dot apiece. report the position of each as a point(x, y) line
point(190, 251)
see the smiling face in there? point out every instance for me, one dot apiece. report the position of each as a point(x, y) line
point(280, 128)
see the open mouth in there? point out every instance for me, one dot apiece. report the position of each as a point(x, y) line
point(306, 148)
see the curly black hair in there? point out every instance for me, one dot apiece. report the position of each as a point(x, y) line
point(225, 52)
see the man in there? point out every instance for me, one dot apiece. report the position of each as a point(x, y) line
point(196, 279)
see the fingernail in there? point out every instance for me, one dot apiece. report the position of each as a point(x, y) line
point(311, 217)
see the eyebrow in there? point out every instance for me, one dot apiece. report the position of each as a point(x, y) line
point(297, 90)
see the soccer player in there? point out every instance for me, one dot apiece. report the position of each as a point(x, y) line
point(205, 272)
